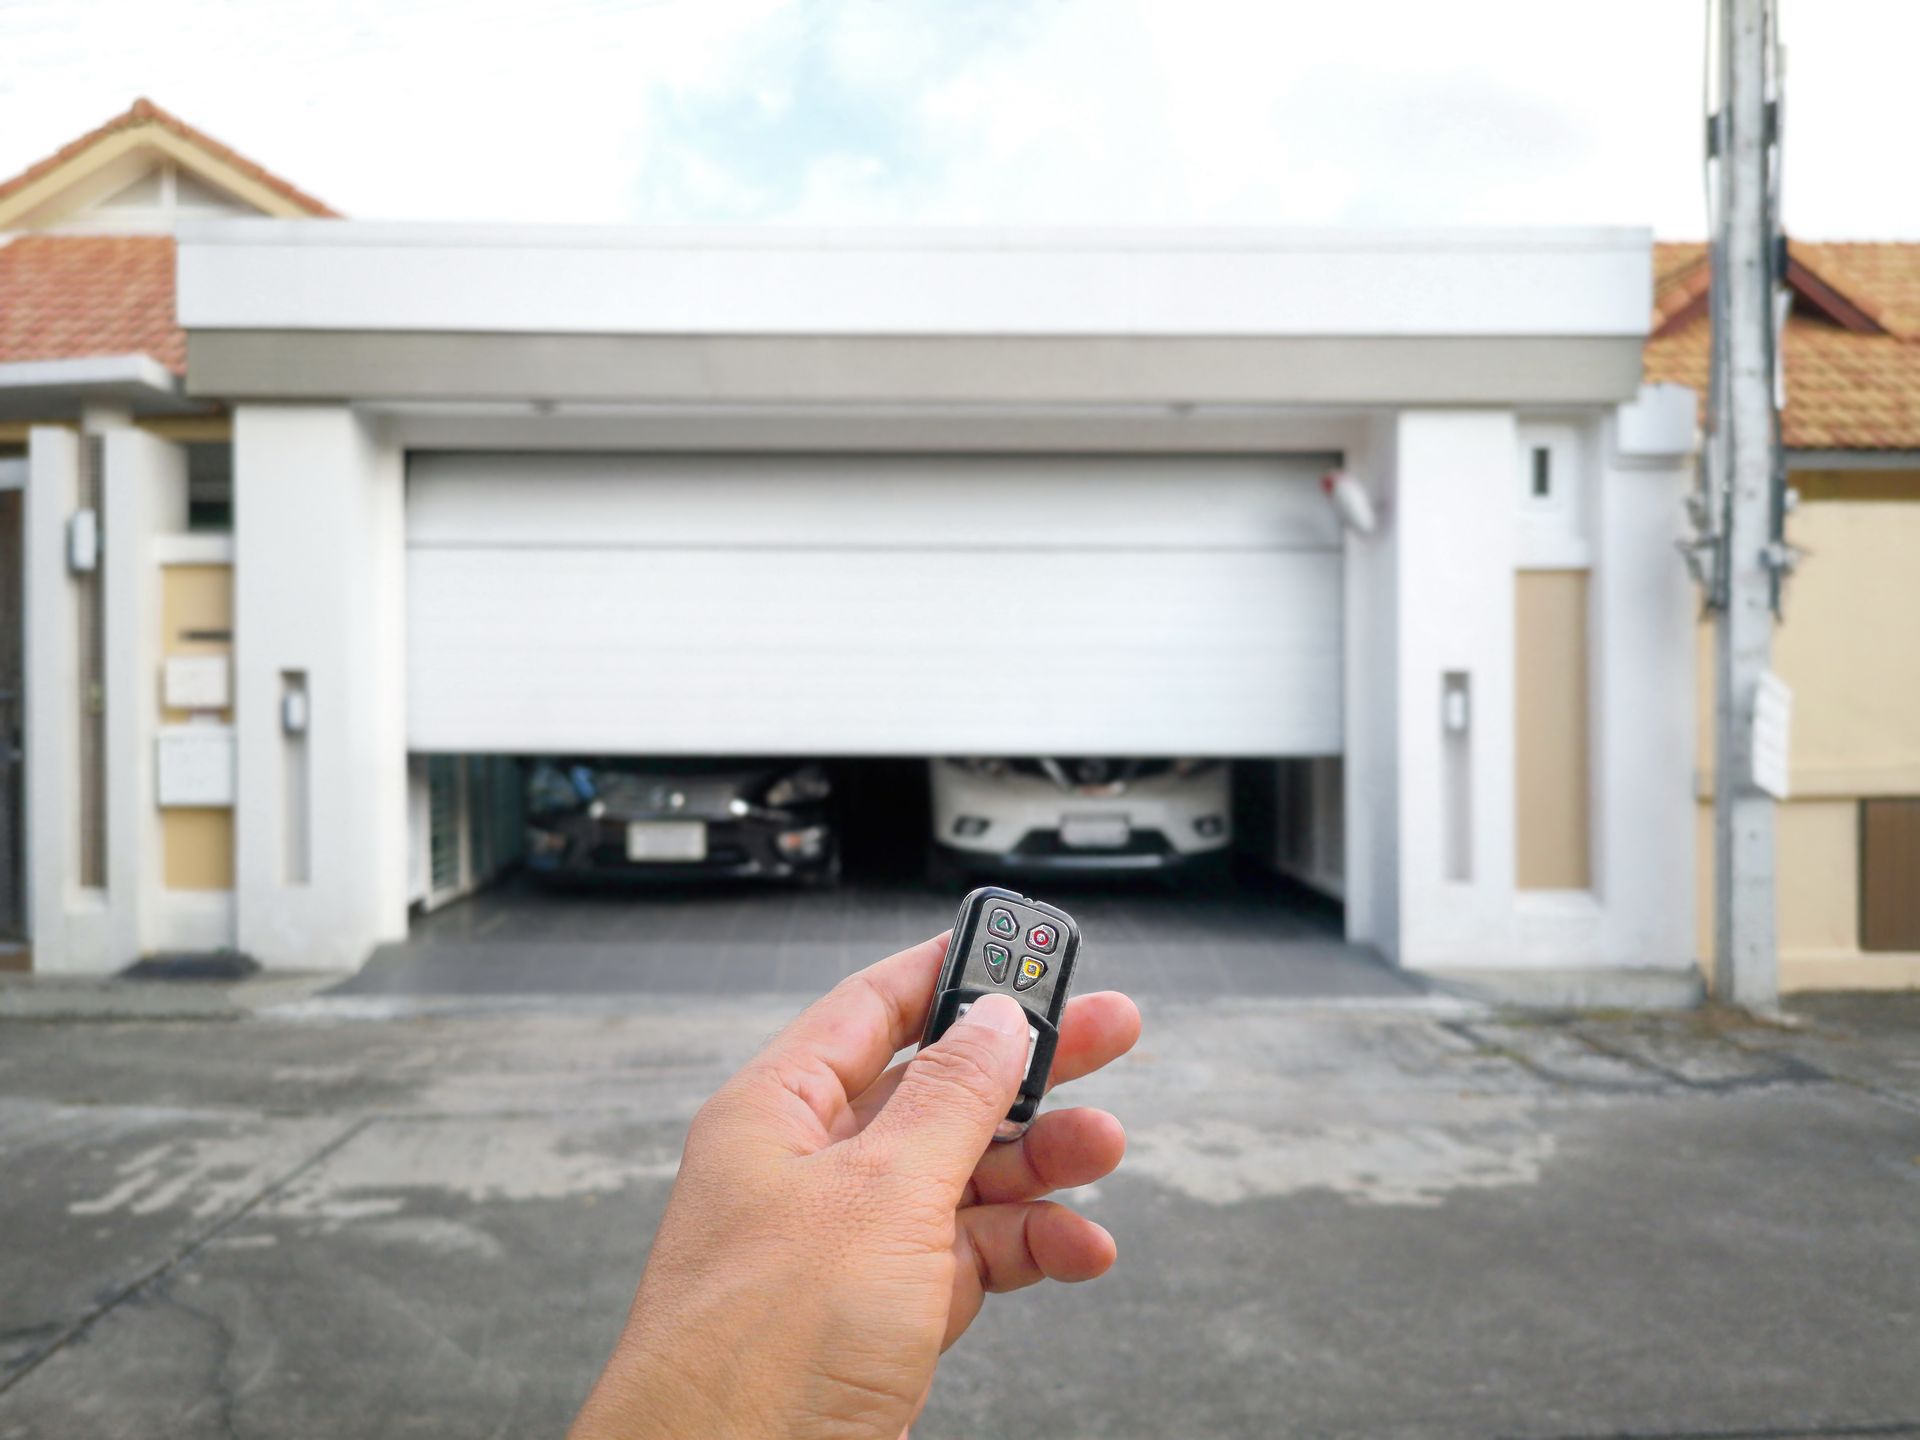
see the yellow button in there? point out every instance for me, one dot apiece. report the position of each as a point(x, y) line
point(1032, 968)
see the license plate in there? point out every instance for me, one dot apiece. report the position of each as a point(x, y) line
point(1095, 832)
point(666, 840)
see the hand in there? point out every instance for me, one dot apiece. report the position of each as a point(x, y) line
point(837, 1224)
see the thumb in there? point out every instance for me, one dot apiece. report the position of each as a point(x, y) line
point(940, 1119)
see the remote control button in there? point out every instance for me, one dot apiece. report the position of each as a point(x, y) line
point(996, 958)
point(1032, 967)
point(1043, 938)
point(1002, 923)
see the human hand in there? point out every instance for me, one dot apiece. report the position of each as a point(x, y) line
point(836, 1224)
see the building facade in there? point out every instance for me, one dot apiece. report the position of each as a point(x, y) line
point(1849, 837)
point(498, 491)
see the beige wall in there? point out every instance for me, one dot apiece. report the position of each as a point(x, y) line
point(1848, 648)
point(197, 844)
point(1552, 829)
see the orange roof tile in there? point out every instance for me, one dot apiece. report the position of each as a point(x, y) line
point(67, 296)
point(1846, 390)
point(145, 112)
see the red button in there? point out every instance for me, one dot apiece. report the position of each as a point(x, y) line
point(1041, 937)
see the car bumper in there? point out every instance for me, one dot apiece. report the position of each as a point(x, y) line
point(1041, 853)
point(736, 850)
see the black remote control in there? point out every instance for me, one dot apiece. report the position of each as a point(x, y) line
point(1004, 941)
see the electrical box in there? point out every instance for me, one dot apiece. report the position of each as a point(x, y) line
point(198, 682)
point(195, 765)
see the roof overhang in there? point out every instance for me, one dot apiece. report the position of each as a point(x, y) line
point(372, 312)
point(54, 389)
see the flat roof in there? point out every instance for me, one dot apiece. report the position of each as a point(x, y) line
point(360, 276)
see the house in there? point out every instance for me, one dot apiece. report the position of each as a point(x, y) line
point(89, 343)
point(502, 490)
point(1848, 842)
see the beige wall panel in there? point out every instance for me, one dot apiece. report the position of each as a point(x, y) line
point(1818, 866)
point(198, 844)
point(1850, 647)
point(195, 599)
point(1552, 838)
point(199, 848)
point(1849, 972)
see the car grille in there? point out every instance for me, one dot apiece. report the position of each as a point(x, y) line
point(629, 796)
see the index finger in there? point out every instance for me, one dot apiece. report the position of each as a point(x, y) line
point(859, 1025)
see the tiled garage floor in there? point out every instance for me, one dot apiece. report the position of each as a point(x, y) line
point(520, 940)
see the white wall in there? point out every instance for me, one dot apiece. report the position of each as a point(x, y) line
point(319, 588)
point(1455, 522)
point(68, 925)
point(1642, 645)
point(1459, 538)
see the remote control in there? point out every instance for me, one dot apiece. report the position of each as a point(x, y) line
point(1006, 942)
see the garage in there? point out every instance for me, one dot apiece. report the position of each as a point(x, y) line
point(872, 605)
point(864, 500)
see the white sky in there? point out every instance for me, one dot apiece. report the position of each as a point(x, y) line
point(1011, 112)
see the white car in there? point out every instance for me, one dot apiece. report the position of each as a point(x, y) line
point(1088, 815)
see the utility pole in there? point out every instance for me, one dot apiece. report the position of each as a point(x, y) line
point(1745, 499)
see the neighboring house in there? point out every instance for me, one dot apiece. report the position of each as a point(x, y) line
point(1849, 840)
point(501, 490)
point(89, 341)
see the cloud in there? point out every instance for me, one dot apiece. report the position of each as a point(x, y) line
point(1004, 113)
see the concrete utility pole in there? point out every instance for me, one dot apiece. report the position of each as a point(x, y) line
point(1744, 451)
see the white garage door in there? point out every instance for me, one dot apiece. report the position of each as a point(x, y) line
point(872, 605)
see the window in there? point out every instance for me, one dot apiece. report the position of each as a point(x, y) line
point(1890, 874)
point(1542, 473)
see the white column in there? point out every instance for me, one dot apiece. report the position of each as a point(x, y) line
point(144, 495)
point(143, 492)
point(51, 673)
point(1644, 609)
point(1454, 522)
point(319, 591)
point(1372, 772)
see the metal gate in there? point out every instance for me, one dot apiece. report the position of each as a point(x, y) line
point(12, 771)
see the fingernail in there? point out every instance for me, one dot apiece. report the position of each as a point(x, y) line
point(996, 1012)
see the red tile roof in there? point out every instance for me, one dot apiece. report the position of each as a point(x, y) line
point(1852, 341)
point(145, 112)
point(67, 296)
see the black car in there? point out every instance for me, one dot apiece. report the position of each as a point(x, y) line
point(615, 817)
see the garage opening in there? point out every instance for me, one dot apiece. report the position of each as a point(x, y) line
point(1259, 918)
point(966, 656)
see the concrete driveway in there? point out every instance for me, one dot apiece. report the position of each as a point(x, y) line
point(1387, 1217)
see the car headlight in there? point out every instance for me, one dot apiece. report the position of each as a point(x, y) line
point(550, 791)
point(801, 787)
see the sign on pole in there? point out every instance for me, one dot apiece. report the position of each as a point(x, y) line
point(1772, 729)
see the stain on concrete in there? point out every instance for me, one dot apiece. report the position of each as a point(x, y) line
point(393, 1163)
point(1223, 1161)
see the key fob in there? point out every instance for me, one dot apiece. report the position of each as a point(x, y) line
point(1003, 941)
